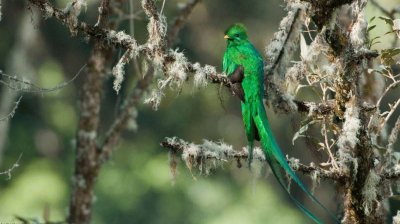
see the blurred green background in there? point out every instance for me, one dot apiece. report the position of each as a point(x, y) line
point(135, 185)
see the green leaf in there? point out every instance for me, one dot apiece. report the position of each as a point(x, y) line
point(389, 32)
point(372, 19)
point(372, 42)
point(387, 20)
point(387, 56)
point(375, 38)
point(371, 28)
point(377, 42)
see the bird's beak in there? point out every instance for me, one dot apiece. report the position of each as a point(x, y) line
point(226, 37)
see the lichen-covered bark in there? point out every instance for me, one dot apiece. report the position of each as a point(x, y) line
point(322, 10)
point(358, 153)
point(87, 163)
point(355, 199)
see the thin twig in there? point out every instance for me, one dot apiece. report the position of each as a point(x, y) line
point(328, 146)
point(103, 13)
point(162, 7)
point(33, 87)
point(132, 33)
point(180, 20)
point(392, 110)
point(120, 123)
point(12, 112)
point(391, 86)
point(9, 171)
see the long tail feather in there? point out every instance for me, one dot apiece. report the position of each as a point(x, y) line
point(275, 167)
point(277, 160)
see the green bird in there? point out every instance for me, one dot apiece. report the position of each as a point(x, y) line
point(245, 69)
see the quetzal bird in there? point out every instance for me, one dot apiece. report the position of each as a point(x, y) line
point(245, 69)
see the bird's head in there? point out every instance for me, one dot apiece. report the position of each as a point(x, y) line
point(236, 34)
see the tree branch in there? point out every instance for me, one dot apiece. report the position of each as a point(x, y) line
point(221, 152)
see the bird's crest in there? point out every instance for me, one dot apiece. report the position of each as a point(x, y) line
point(236, 29)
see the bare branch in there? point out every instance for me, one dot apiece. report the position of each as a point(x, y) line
point(180, 20)
point(392, 110)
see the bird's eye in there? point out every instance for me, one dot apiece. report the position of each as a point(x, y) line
point(237, 35)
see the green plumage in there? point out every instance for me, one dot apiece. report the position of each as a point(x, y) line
point(240, 52)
